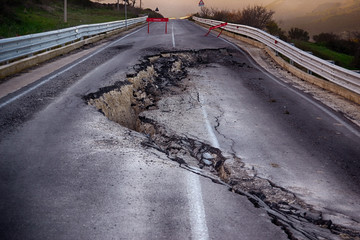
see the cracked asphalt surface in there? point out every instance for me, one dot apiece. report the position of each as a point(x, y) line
point(70, 173)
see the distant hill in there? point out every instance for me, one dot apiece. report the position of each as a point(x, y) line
point(336, 16)
point(295, 8)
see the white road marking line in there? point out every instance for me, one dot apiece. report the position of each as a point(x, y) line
point(63, 71)
point(199, 229)
point(213, 139)
point(173, 35)
point(336, 118)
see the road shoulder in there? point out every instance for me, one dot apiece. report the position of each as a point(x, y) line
point(339, 104)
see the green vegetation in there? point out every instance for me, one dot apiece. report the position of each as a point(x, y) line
point(323, 52)
point(328, 46)
point(26, 17)
point(298, 34)
point(255, 16)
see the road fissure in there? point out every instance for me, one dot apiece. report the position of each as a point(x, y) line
point(44, 81)
point(162, 76)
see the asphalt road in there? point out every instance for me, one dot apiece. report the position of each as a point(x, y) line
point(67, 172)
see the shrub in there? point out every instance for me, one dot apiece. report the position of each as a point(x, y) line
point(204, 13)
point(256, 16)
point(221, 15)
point(325, 37)
point(84, 3)
point(335, 43)
point(273, 28)
point(298, 34)
point(356, 62)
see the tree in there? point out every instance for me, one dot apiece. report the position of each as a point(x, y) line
point(356, 61)
point(205, 12)
point(336, 43)
point(326, 37)
point(298, 34)
point(133, 2)
point(221, 15)
point(84, 3)
point(273, 28)
point(356, 36)
point(256, 16)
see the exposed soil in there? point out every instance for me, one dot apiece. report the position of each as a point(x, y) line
point(159, 76)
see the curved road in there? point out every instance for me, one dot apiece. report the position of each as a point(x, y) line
point(67, 172)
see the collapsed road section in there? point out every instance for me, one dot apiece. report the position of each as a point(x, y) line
point(161, 80)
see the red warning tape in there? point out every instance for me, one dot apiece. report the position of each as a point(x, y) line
point(166, 20)
point(217, 26)
point(157, 19)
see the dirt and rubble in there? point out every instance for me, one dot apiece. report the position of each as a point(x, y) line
point(165, 75)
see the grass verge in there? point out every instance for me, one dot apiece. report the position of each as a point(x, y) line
point(34, 18)
point(340, 59)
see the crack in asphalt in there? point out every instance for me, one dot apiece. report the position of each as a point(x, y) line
point(217, 126)
point(163, 75)
point(38, 95)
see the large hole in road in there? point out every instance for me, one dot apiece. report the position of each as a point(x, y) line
point(165, 74)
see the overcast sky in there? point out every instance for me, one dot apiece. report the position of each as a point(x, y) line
point(179, 8)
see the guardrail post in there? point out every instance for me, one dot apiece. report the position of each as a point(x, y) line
point(291, 61)
point(332, 70)
point(276, 42)
point(309, 71)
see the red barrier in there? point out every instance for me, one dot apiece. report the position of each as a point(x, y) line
point(217, 26)
point(166, 20)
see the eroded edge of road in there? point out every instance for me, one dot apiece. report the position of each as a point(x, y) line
point(158, 76)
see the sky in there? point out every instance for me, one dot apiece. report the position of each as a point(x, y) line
point(315, 16)
point(180, 8)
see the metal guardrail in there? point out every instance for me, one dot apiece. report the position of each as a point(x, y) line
point(338, 75)
point(17, 47)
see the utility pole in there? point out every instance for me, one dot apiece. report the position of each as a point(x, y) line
point(140, 4)
point(118, 7)
point(126, 1)
point(65, 11)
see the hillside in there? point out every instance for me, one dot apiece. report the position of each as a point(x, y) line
point(318, 16)
point(290, 8)
point(33, 16)
point(336, 23)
